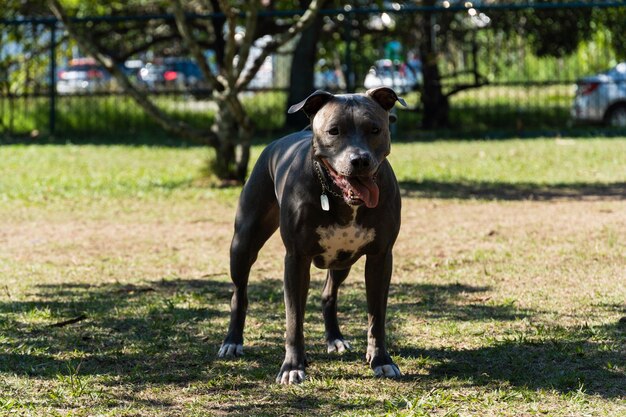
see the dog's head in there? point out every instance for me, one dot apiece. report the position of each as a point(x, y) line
point(351, 138)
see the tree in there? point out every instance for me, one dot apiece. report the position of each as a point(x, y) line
point(231, 28)
point(548, 31)
point(613, 19)
point(435, 104)
point(302, 74)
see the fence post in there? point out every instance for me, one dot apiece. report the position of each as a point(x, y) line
point(53, 88)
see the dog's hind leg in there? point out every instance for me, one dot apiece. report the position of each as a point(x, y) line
point(334, 338)
point(256, 221)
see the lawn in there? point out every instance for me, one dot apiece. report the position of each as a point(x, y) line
point(508, 296)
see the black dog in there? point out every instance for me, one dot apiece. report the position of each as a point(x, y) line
point(335, 198)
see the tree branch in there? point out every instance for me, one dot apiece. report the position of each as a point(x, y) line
point(248, 40)
point(227, 63)
point(141, 47)
point(278, 41)
point(171, 125)
point(461, 87)
point(217, 82)
point(221, 81)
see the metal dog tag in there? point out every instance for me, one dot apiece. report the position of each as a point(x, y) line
point(324, 201)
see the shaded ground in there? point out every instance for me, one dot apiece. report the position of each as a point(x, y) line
point(491, 190)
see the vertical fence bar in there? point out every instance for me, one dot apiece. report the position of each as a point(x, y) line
point(53, 88)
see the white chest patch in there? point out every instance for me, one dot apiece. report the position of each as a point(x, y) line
point(349, 238)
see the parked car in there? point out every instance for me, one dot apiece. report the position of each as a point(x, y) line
point(601, 98)
point(82, 75)
point(172, 73)
point(151, 75)
point(387, 73)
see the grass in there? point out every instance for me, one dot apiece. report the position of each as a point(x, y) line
point(507, 297)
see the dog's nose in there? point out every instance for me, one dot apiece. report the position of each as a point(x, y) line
point(360, 161)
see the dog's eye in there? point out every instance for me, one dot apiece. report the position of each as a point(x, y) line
point(375, 130)
point(334, 131)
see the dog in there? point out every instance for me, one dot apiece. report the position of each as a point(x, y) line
point(335, 198)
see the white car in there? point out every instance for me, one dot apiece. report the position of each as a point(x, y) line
point(601, 98)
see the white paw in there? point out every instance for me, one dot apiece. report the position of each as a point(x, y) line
point(290, 377)
point(338, 346)
point(389, 371)
point(230, 349)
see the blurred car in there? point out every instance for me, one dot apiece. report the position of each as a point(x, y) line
point(601, 98)
point(82, 75)
point(172, 73)
point(151, 75)
point(387, 73)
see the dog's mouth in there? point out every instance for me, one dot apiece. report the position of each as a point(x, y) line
point(356, 190)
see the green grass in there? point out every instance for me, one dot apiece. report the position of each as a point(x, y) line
point(508, 169)
point(34, 173)
point(506, 300)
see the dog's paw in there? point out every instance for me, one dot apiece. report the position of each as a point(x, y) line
point(289, 377)
point(230, 350)
point(389, 371)
point(339, 346)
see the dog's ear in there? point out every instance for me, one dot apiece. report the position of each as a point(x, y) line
point(385, 96)
point(312, 103)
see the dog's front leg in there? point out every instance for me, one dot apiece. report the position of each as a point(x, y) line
point(377, 277)
point(334, 338)
point(297, 277)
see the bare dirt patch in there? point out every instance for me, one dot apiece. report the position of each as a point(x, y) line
point(525, 235)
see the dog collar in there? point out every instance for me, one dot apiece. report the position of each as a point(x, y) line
point(323, 197)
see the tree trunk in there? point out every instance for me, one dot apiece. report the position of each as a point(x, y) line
point(232, 151)
point(303, 71)
point(434, 103)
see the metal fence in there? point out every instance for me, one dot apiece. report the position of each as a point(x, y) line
point(491, 67)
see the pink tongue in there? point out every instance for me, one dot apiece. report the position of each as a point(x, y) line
point(365, 189)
